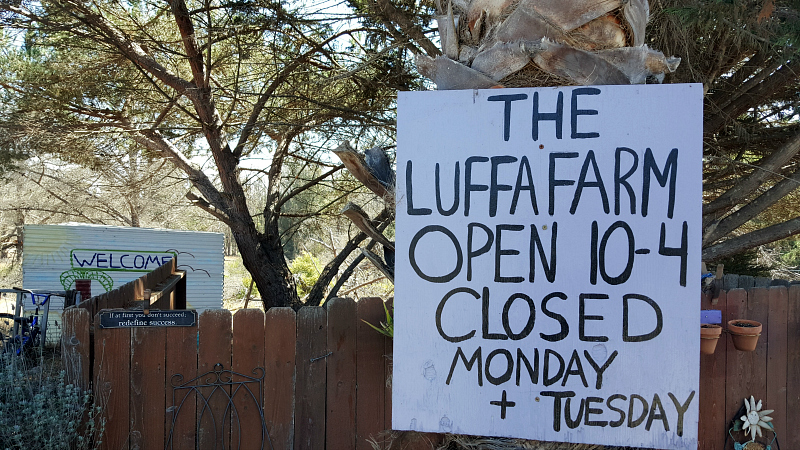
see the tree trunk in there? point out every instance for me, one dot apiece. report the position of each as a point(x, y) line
point(263, 258)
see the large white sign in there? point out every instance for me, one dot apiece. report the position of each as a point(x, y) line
point(547, 274)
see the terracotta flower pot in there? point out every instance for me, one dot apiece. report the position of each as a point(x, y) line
point(745, 334)
point(709, 335)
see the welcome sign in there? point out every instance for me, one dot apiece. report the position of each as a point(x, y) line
point(548, 258)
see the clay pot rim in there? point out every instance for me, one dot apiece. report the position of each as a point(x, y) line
point(710, 331)
point(752, 330)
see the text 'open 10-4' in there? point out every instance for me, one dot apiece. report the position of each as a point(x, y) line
point(548, 259)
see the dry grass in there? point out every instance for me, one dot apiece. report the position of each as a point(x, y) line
point(392, 440)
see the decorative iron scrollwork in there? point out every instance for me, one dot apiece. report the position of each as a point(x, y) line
point(235, 389)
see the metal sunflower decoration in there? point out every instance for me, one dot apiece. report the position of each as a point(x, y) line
point(755, 419)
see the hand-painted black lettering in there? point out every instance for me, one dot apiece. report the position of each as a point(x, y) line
point(499, 251)
point(533, 372)
point(476, 358)
point(557, 396)
point(660, 415)
point(546, 378)
point(593, 254)
point(670, 170)
point(484, 248)
point(525, 166)
point(557, 116)
point(682, 251)
point(626, 337)
point(574, 360)
point(537, 246)
point(582, 318)
point(589, 410)
point(621, 420)
point(582, 112)
point(626, 273)
point(412, 256)
point(469, 187)
point(582, 183)
point(456, 179)
point(528, 325)
point(633, 423)
point(485, 319)
point(410, 195)
point(554, 182)
point(494, 186)
point(573, 423)
point(681, 408)
point(503, 404)
point(622, 180)
point(598, 369)
point(440, 310)
point(507, 99)
point(554, 315)
point(509, 367)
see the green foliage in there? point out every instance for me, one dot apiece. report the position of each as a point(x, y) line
point(306, 269)
point(745, 263)
point(387, 327)
point(789, 252)
point(40, 410)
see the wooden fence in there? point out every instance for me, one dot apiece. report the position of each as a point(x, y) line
point(325, 379)
point(771, 373)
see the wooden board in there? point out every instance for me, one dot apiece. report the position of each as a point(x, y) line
point(311, 366)
point(248, 360)
point(746, 371)
point(737, 366)
point(777, 340)
point(713, 417)
point(388, 344)
point(181, 367)
point(280, 341)
point(112, 378)
point(789, 438)
point(147, 391)
point(75, 345)
point(214, 326)
point(370, 369)
point(460, 309)
point(341, 374)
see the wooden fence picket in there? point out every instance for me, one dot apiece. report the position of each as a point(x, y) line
point(790, 438)
point(713, 415)
point(370, 369)
point(75, 345)
point(181, 366)
point(280, 342)
point(147, 387)
point(248, 360)
point(214, 327)
point(111, 382)
point(341, 374)
point(776, 338)
point(311, 364)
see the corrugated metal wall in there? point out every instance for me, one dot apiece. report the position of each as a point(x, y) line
point(54, 255)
